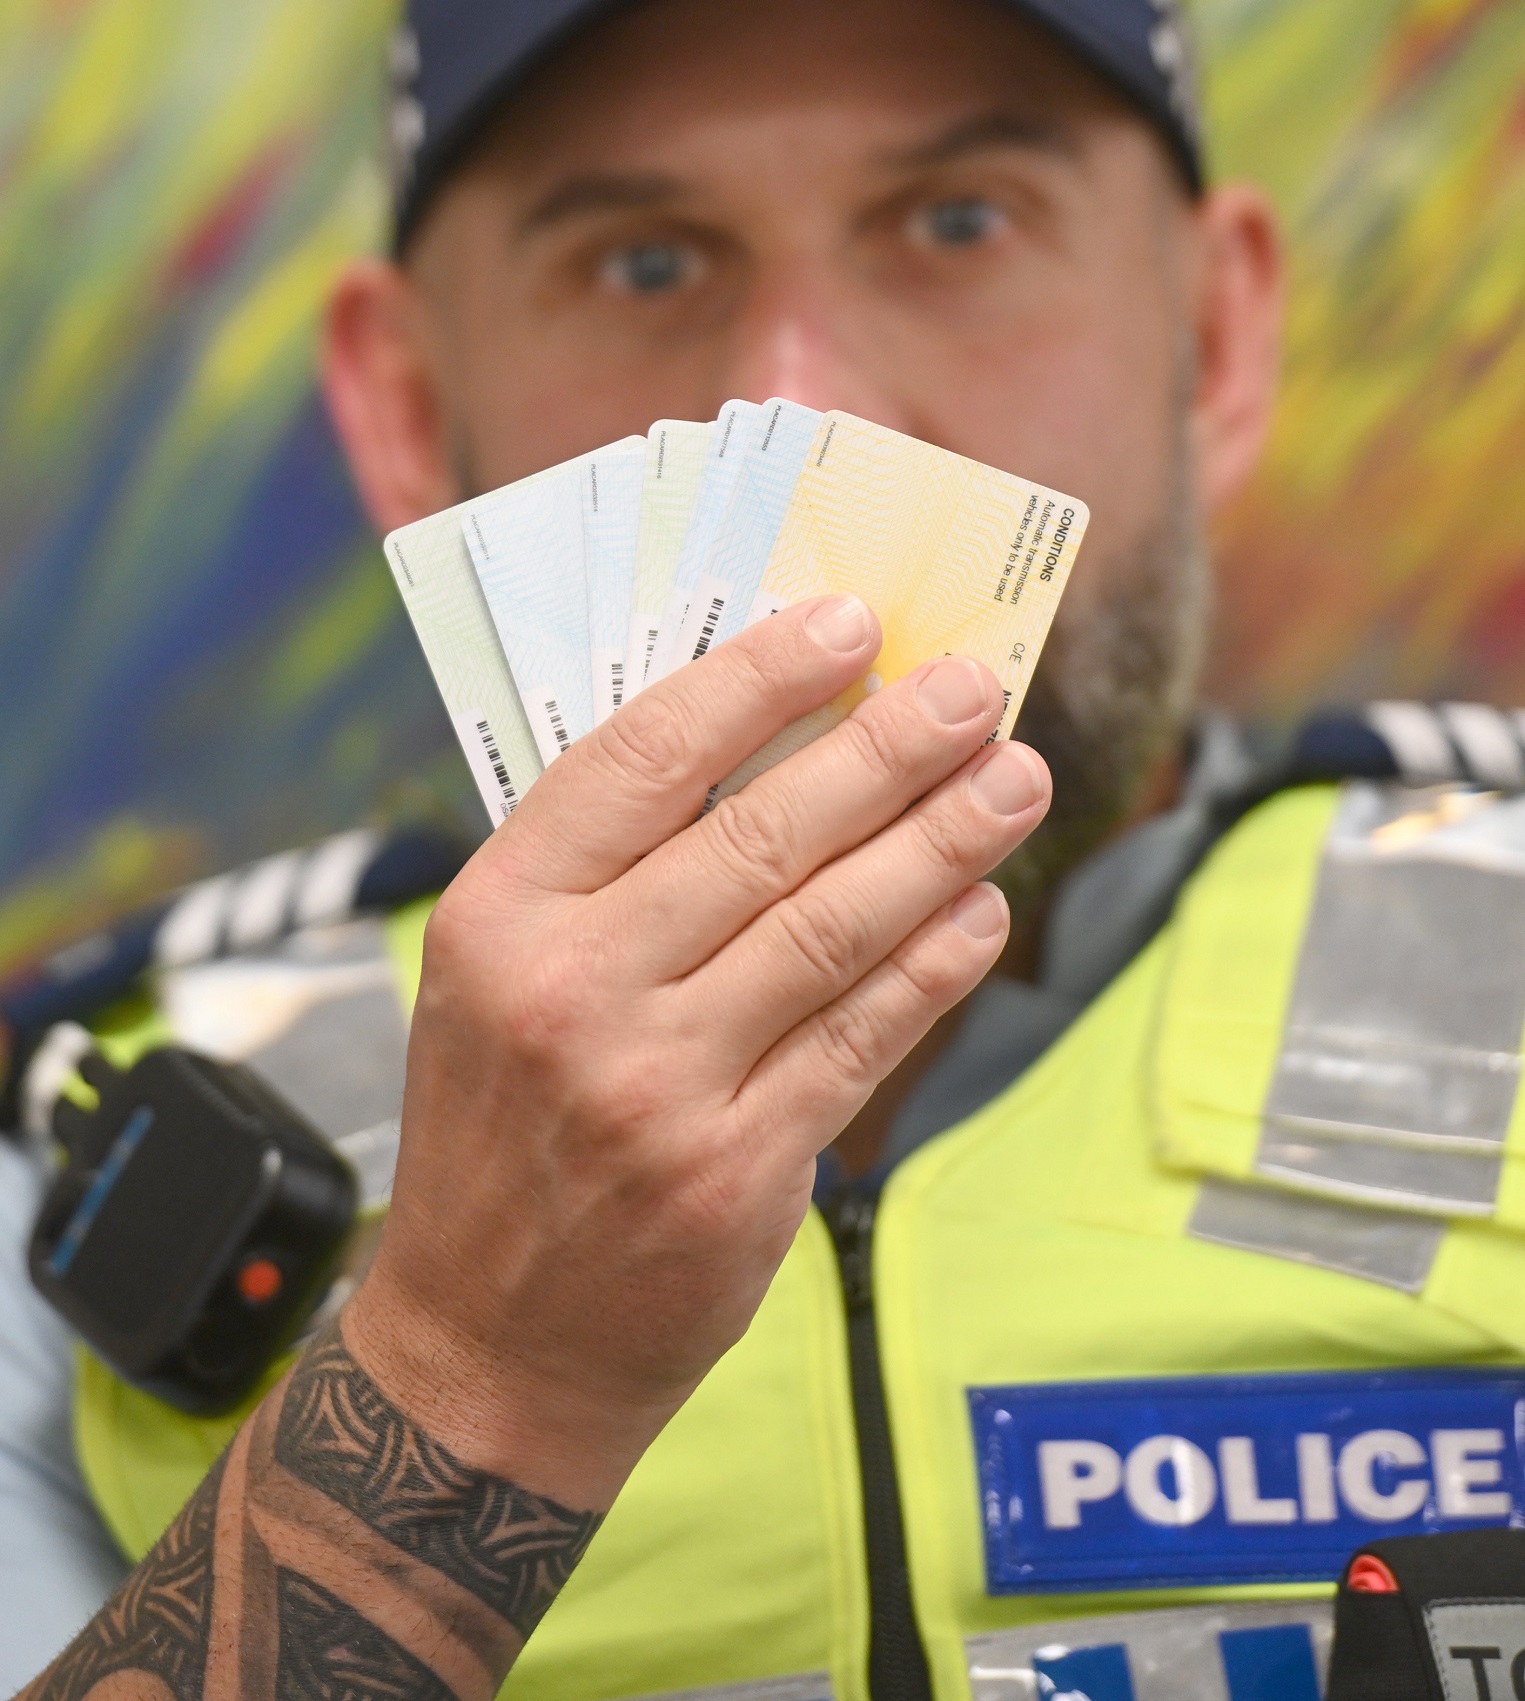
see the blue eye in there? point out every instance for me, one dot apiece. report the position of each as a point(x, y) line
point(648, 268)
point(959, 223)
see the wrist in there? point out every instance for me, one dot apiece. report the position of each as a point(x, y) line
point(490, 1405)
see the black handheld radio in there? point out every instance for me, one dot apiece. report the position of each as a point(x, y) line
point(196, 1222)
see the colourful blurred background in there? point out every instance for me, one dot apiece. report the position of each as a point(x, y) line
point(201, 656)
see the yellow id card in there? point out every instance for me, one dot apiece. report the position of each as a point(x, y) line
point(954, 557)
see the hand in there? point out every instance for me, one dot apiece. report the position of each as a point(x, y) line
point(637, 1027)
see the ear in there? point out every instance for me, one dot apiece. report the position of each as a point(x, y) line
point(382, 387)
point(1238, 306)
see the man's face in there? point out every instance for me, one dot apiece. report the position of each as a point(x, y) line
point(918, 210)
point(922, 211)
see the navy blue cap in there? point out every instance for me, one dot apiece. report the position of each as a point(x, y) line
point(454, 61)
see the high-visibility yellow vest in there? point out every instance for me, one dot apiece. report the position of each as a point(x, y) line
point(1130, 1449)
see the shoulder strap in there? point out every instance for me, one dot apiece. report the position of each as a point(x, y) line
point(356, 873)
point(1118, 899)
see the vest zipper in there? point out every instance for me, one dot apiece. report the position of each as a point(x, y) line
point(897, 1663)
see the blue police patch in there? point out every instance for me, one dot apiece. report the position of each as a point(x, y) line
point(1237, 1479)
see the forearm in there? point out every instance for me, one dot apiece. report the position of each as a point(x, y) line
point(334, 1548)
point(589, 1206)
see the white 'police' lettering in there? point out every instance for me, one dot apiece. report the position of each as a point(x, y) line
point(1315, 1479)
point(1196, 1487)
point(1243, 1502)
point(1468, 1468)
point(1357, 1473)
point(1171, 1482)
point(1073, 1472)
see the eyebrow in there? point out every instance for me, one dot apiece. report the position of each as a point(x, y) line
point(613, 192)
point(979, 135)
point(598, 192)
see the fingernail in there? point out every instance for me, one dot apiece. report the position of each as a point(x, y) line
point(840, 623)
point(980, 912)
point(1007, 783)
point(953, 691)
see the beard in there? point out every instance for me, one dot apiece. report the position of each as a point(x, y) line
point(1115, 690)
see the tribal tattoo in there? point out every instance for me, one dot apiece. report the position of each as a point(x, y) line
point(335, 1553)
point(156, 1622)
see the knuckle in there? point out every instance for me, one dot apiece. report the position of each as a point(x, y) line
point(948, 837)
point(852, 1040)
point(624, 1094)
point(768, 665)
point(709, 1195)
point(651, 740)
point(452, 937)
point(925, 971)
point(495, 879)
point(827, 936)
point(881, 738)
point(756, 834)
point(442, 930)
point(542, 1007)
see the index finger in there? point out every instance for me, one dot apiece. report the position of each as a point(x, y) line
point(644, 774)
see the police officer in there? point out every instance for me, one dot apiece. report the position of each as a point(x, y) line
point(1213, 1270)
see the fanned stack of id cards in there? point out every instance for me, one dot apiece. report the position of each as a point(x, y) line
point(545, 605)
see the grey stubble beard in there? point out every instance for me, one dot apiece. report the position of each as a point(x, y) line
point(1115, 688)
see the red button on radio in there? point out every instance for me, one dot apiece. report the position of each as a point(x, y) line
point(259, 1280)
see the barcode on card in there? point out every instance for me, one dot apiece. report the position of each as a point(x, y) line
point(707, 631)
point(495, 762)
point(617, 682)
point(558, 725)
point(652, 633)
point(484, 757)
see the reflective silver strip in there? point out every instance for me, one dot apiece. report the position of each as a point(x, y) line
point(261, 907)
point(1173, 1654)
point(1444, 1184)
point(341, 1060)
point(1395, 1248)
point(318, 1016)
point(807, 1686)
point(193, 929)
point(1400, 1060)
point(331, 879)
point(1418, 741)
point(1487, 743)
point(254, 906)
